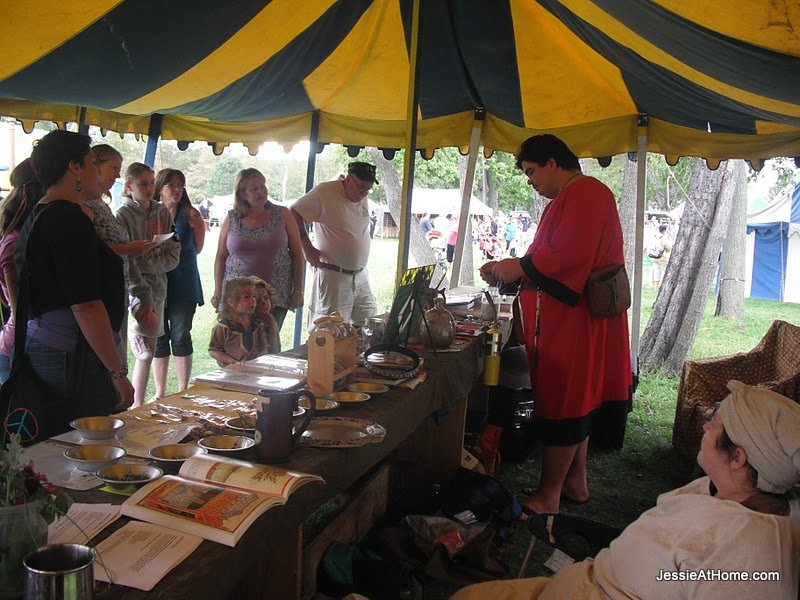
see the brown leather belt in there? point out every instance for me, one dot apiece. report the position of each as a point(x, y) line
point(332, 267)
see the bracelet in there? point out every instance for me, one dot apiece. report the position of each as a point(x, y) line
point(398, 372)
point(121, 374)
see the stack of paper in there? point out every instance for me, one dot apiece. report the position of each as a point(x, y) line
point(82, 523)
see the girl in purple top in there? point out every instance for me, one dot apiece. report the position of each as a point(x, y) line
point(260, 238)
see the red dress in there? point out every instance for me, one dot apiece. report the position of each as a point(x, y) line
point(582, 375)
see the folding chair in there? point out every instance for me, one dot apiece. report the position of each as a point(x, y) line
point(576, 537)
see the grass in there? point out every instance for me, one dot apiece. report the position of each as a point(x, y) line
point(624, 483)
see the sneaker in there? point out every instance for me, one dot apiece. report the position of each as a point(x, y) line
point(141, 350)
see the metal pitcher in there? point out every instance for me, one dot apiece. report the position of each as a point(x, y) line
point(274, 434)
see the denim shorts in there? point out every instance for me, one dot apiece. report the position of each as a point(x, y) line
point(178, 318)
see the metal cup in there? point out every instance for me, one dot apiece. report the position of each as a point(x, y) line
point(59, 571)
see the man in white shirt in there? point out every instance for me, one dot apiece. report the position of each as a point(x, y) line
point(340, 213)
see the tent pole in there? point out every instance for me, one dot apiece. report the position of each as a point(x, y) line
point(153, 134)
point(466, 196)
point(636, 308)
point(82, 126)
point(412, 104)
point(311, 168)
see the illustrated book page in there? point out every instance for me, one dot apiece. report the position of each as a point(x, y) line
point(214, 497)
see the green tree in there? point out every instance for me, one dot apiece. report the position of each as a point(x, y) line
point(222, 177)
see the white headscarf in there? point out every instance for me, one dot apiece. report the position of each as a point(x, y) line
point(767, 426)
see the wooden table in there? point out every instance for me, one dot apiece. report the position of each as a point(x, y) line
point(424, 435)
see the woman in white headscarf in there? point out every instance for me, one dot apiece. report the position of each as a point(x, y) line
point(731, 534)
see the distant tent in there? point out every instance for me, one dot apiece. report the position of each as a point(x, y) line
point(444, 202)
point(773, 250)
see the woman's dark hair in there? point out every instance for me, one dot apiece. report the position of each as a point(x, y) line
point(163, 178)
point(541, 148)
point(662, 229)
point(26, 191)
point(52, 154)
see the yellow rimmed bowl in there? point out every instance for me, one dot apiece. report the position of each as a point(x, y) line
point(97, 428)
point(170, 457)
point(93, 457)
point(122, 475)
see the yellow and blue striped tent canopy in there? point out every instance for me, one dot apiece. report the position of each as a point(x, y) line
point(709, 78)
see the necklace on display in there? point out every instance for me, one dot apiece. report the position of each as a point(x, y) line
point(568, 181)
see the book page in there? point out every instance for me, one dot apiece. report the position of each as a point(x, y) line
point(139, 555)
point(247, 379)
point(217, 513)
point(82, 523)
point(245, 475)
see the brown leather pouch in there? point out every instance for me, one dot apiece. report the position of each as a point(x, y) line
point(608, 291)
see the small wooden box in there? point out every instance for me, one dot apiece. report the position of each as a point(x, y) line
point(325, 353)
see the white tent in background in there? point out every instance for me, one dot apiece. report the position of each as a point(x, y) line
point(444, 202)
point(773, 250)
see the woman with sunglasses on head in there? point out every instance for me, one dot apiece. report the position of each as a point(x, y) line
point(184, 292)
point(76, 290)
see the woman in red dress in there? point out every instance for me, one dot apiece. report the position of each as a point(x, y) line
point(580, 364)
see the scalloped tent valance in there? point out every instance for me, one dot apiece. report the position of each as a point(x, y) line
point(712, 81)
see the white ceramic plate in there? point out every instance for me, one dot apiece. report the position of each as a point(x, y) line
point(342, 432)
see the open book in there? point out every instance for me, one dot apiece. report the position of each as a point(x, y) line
point(214, 497)
point(241, 378)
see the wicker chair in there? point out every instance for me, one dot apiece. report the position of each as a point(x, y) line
point(773, 364)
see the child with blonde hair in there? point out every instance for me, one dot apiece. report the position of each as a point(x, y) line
point(239, 335)
point(265, 295)
point(143, 218)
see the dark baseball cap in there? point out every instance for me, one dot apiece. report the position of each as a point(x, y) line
point(362, 170)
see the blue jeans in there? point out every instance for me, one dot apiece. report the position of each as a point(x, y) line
point(78, 382)
point(178, 318)
point(5, 368)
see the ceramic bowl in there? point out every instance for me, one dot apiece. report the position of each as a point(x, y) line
point(322, 403)
point(229, 445)
point(245, 424)
point(122, 475)
point(94, 457)
point(347, 399)
point(97, 428)
point(368, 387)
point(170, 457)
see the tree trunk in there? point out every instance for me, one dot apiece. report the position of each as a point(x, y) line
point(667, 340)
point(391, 182)
point(730, 301)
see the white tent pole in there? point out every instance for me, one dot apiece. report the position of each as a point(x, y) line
point(636, 308)
point(466, 196)
point(412, 104)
